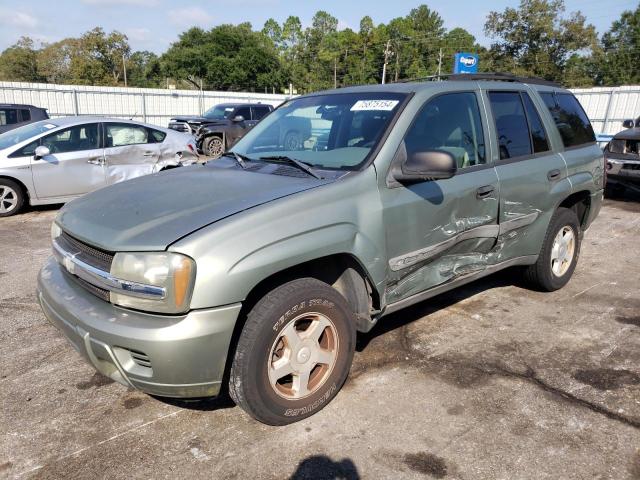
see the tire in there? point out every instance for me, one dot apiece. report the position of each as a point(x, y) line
point(213, 146)
point(259, 380)
point(292, 141)
point(555, 265)
point(12, 197)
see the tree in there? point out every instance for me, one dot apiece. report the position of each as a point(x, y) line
point(18, 62)
point(621, 45)
point(537, 39)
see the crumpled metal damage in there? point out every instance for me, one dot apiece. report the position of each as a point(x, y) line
point(131, 161)
point(445, 265)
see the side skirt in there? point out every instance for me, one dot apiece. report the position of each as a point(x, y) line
point(457, 282)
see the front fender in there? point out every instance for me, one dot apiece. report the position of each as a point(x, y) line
point(237, 253)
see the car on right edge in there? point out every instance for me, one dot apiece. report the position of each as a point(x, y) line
point(254, 273)
point(623, 158)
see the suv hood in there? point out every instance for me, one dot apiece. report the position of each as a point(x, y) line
point(152, 212)
point(189, 118)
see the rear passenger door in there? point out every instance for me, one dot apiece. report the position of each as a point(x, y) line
point(130, 151)
point(533, 177)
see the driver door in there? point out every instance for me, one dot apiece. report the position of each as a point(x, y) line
point(75, 165)
point(437, 231)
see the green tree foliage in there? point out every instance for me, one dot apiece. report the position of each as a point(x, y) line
point(227, 57)
point(538, 38)
point(18, 62)
point(621, 46)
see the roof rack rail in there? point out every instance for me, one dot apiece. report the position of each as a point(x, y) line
point(498, 77)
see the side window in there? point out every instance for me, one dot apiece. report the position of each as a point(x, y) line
point(511, 124)
point(122, 134)
point(449, 122)
point(259, 112)
point(538, 134)
point(74, 139)
point(243, 111)
point(8, 116)
point(25, 114)
point(573, 123)
point(27, 150)
point(156, 136)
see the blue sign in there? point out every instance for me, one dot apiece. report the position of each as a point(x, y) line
point(466, 63)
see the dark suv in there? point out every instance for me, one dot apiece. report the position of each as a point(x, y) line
point(14, 115)
point(230, 121)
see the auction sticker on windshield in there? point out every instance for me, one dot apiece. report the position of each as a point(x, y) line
point(374, 105)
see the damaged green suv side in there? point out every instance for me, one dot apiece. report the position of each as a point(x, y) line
point(255, 272)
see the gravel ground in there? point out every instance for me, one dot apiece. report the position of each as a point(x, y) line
point(490, 381)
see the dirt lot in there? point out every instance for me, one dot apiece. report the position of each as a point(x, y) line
point(491, 381)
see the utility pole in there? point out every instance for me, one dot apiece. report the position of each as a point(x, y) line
point(440, 63)
point(124, 68)
point(335, 72)
point(397, 63)
point(387, 54)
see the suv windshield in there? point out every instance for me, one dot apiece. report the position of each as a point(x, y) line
point(335, 131)
point(218, 112)
point(13, 137)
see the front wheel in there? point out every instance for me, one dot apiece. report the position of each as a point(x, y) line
point(294, 352)
point(559, 254)
point(213, 147)
point(11, 197)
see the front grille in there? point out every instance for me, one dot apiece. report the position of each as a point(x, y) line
point(631, 166)
point(97, 291)
point(93, 256)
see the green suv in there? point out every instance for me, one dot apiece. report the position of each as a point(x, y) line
point(256, 271)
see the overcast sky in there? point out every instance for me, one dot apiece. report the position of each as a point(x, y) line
point(155, 24)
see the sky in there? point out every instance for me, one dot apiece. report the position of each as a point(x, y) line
point(154, 24)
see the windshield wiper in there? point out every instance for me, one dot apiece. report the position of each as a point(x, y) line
point(292, 161)
point(241, 159)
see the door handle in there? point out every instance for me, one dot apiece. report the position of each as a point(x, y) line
point(484, 192)
point(149, 154)
point(96, 161)
point(553, 174)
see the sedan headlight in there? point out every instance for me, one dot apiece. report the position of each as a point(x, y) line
point(168, 276)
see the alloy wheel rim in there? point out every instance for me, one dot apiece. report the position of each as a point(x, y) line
point(8, 199)
point(303, 356)
point(215, 148)
point(292, 142)
point(564, 246)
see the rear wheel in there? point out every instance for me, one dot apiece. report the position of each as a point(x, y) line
point(213, 147)
point(294, 352)
point(559, 254)
point(11, 197)
point(292, 141)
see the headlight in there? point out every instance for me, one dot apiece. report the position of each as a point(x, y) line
point(172, 272)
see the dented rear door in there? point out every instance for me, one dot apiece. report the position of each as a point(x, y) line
point(130, 151)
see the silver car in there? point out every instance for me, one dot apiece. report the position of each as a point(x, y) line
point(56, 160)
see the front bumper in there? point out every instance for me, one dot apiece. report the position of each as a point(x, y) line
point(623, 168)
point(173, 356)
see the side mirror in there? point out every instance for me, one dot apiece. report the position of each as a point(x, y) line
point(238, 119)
point(628, 124)
point(41, 152)
point(428, 165)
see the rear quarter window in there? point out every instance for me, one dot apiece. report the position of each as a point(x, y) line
point(569, 116)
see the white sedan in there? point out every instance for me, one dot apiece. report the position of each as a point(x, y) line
point(57, 160)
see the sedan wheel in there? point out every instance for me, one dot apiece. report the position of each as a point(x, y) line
point(11, 198)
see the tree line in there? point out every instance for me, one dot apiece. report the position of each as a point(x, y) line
point(538, 38)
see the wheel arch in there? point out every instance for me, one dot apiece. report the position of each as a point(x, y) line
point(580, 203)
point(21, 184)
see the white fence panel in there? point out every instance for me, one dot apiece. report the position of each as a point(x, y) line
point(151, 105)
point(607, 107)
